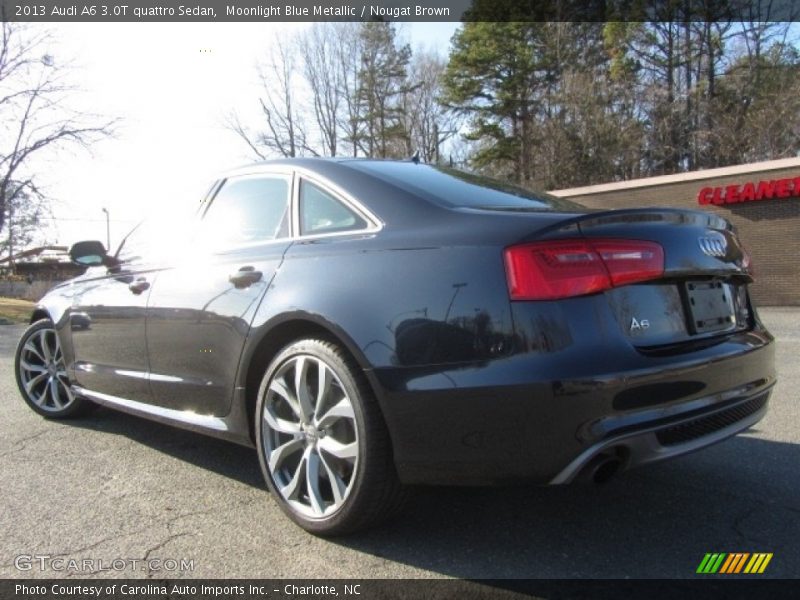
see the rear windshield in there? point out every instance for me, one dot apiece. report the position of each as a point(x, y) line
point(454, 188)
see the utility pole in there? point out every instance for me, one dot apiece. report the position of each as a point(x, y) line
point(108, 230)
point(11, 241)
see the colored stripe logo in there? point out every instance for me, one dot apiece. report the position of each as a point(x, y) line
point(731, 563)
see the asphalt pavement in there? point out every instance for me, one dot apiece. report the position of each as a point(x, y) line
point(112, 486)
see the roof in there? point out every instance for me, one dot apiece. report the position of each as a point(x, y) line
point(42, 253)
point(757, 167)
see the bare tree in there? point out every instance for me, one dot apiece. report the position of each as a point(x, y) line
point(34, 115)
point(361, 96)
point(349, 57)
point(285, 132)
point(428, 123)
point(322, 49)
point(23, 215)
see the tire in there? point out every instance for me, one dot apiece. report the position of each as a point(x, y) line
point(41, 374)
point(325, 452)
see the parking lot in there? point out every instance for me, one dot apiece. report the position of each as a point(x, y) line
point(113, 486)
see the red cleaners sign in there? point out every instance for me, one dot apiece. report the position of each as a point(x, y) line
point(750, 191)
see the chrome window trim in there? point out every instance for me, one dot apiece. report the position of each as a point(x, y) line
point(374, 224)
point(285, 175)
point(296, 173)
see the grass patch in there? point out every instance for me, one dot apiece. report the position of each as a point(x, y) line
point(15, 310)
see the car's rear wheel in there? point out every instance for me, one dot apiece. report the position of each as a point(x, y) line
point(323, 446)
point(42, 374)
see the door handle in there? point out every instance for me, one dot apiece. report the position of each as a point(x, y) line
point(244, 277)
point(139, 285)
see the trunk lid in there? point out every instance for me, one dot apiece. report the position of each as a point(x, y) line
point(703, 291)
point(695, 243)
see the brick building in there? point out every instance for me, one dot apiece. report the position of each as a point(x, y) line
point(761, 199)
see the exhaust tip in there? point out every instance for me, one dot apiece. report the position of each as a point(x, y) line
point(604, 471)
point(600, 469)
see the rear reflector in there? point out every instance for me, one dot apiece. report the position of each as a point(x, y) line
point(747, 263)
point(566, 268)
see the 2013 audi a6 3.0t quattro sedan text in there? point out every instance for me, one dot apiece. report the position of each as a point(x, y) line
point(372, 324)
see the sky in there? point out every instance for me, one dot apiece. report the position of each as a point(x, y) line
point(171, 86)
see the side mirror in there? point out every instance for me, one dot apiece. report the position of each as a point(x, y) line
point(88, 254)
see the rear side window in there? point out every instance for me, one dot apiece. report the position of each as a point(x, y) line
point(320, 212)
point(252, 209)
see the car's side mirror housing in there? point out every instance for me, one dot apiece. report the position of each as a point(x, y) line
point(89, 254)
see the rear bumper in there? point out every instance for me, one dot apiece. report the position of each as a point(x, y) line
point(678, 437)
point(543, 418)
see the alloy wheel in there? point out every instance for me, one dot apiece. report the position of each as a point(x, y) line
point(42, 372)
point(310, 436)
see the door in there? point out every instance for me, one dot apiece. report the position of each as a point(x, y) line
point(200, 309)
point(107, 322)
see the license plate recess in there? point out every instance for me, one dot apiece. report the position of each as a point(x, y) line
point(710, 306)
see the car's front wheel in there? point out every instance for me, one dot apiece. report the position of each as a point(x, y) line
point(42, 374)
point(323, 446)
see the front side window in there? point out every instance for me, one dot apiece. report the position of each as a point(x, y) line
point(320, 212)
point(252, 209)
point(156, 241)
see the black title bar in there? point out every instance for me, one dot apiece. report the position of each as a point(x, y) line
point(399, 10)
point(383, 589)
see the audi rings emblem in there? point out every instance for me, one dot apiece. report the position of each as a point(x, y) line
point(713, 246)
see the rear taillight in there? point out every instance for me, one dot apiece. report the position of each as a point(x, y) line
point(565, 268)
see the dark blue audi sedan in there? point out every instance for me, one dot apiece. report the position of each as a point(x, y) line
point(367, 325)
